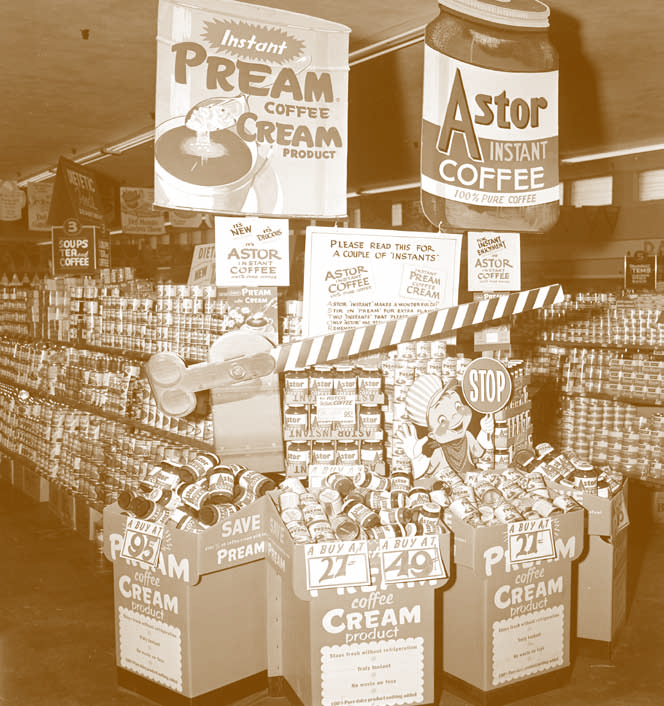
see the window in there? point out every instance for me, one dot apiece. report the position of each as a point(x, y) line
point(597, 191)
point(651, 185)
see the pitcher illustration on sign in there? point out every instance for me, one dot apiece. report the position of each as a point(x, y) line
point(448, 446)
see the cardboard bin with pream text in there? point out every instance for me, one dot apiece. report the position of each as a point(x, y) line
point(353, 623)
point(507, 615)
point(190, 608)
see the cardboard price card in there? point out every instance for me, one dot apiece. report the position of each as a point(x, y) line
point(337, 564)
point(411, 559)
point(142, 541)
point(336, 408)
point(530, 540)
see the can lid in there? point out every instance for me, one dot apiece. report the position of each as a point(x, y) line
point(518, 13)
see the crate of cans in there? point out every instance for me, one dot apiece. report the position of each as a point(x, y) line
point(358, 590)
point(515, 541)
point(602, 569)
point(188, 547)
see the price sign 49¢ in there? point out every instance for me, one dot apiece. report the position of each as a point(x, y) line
point(412, 559)
point(142, 541)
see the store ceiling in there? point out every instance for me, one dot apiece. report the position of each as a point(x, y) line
point(79, 75)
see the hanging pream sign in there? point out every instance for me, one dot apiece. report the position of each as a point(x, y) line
point(251, 111)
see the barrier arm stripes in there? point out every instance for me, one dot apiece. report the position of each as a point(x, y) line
point(327, 348)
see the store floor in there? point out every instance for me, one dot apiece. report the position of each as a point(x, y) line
point(57, 639)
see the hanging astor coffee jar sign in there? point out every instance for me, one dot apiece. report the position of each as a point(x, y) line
point(489, 148)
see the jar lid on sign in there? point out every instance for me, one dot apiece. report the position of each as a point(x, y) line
point(531, 14)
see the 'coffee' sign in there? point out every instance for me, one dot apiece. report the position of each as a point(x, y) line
point(74, 248)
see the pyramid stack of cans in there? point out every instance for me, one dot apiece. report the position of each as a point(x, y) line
point(196, 495)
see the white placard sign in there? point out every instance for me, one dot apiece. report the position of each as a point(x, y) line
point(252, 252)
point(355, 277)
point(494, 262)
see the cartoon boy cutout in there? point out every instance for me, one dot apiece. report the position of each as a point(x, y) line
point(449, 445)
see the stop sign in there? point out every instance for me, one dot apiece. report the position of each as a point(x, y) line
point(486, 385)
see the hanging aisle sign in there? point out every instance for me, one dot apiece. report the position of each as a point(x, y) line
point(251, 111)
point(76, 194)
point(137, 214)
point(79, 249)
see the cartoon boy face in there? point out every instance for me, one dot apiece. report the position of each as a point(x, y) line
point(448, 418)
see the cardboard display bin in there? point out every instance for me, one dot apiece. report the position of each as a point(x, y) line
point(349, 626)
point(507, 615)
point(191, 628)
point(602, 568)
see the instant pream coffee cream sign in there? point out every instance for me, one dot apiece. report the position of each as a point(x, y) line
point(356, 277)
point(251, 111)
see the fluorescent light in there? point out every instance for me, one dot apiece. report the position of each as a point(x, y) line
point(129, 143)
point(610, 155)
point(387, 46)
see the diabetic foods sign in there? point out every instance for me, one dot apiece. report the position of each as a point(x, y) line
point(251, 111)
point(357, 277)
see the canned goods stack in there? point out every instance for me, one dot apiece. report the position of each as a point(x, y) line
point(352, 503)
point(195, 495)
point(612, 432)
point(357, 505)
point(401, 367)
point(19, 311)
point(333, 415)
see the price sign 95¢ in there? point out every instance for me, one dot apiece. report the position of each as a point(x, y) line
point(142, 541)
point(337, 564)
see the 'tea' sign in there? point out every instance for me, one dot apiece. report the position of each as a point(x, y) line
point(486, 385)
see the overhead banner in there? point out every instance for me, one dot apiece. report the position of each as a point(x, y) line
point(77, 194)
point(39, 203)
point(251, 111)
point(137, 214)
point(252, 251)
point(12, 201)
point(355, 277)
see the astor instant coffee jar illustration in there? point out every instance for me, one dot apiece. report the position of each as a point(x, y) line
point(489, 149)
